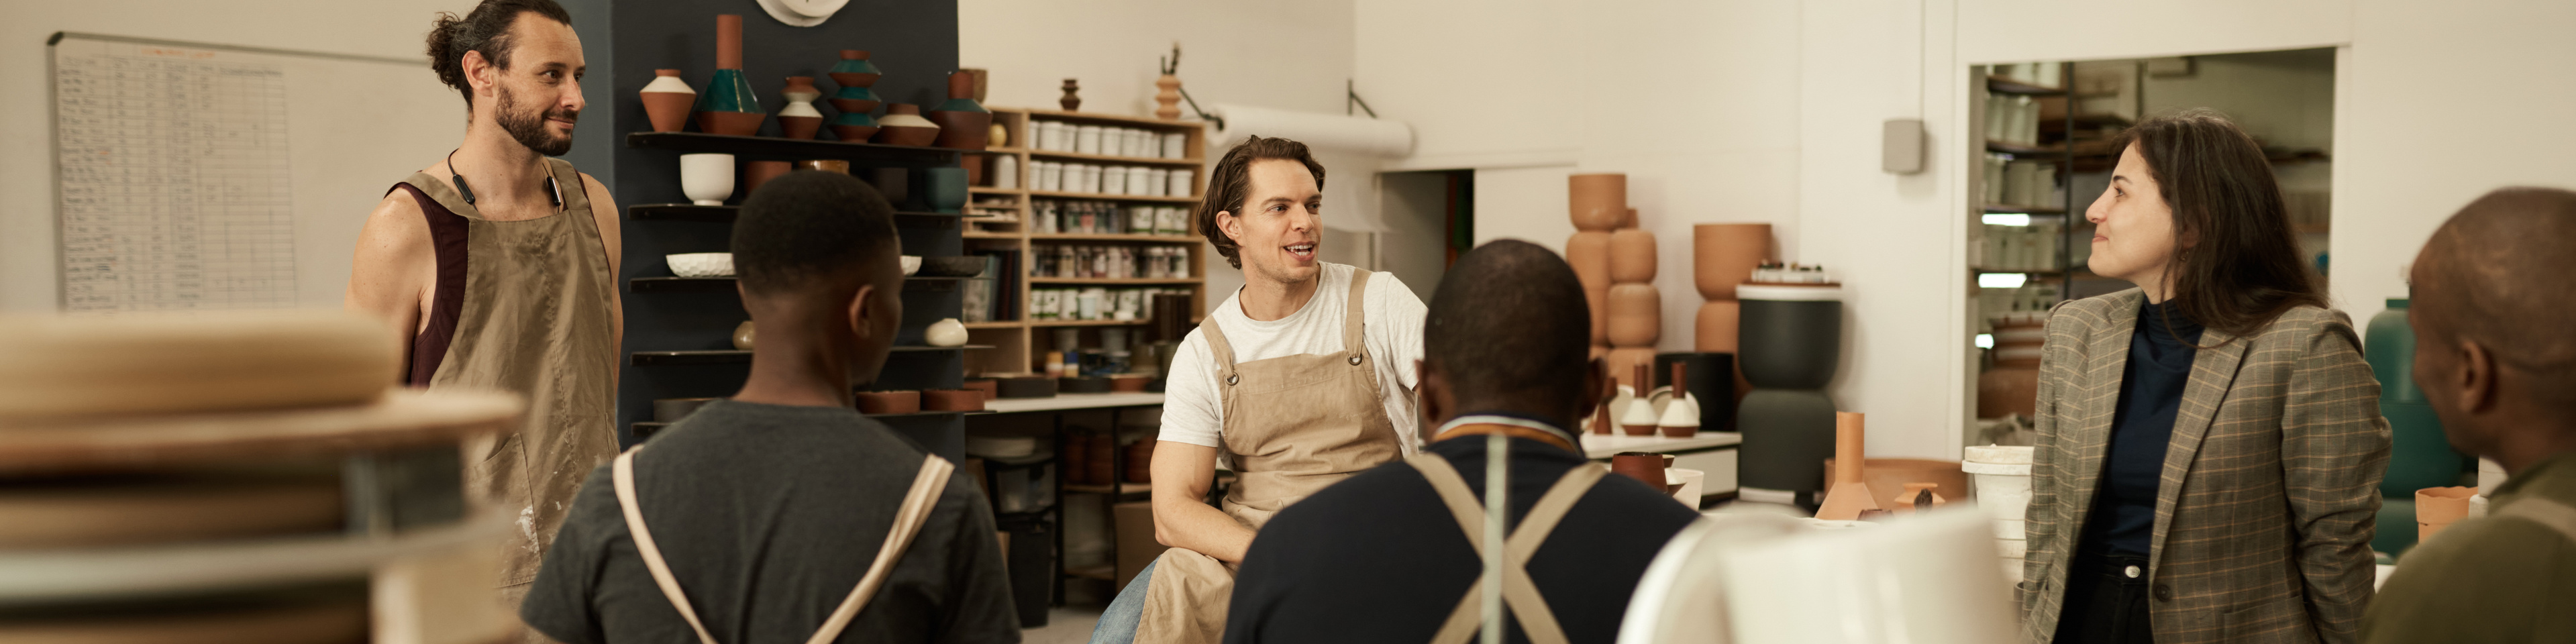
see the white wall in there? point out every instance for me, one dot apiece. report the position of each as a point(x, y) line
point(27, 211)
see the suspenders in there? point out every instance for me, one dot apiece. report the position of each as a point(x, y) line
point(1518, 591)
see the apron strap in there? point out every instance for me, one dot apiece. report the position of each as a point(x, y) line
point(1221, 350)
point(1519, 591)
point(2548, 513)
point(1354, 321)
point(927, 485)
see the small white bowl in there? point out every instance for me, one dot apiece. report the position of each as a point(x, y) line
point(701, 264)
point(911, 264)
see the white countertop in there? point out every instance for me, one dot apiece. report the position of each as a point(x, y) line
point(1074, 401)
point(1598, 446)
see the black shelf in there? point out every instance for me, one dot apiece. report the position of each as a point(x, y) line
point(725, 214)
point(725, 284)
point(733, 356)
point(749, 148)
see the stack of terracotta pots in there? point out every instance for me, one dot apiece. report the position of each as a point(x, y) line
point(2012, 385)
point(1616, 262)
point(1723, 256)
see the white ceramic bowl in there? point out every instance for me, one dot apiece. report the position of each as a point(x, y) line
point(911, 263)
point(701, 264)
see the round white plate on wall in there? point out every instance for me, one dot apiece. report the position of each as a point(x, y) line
point(802, 13)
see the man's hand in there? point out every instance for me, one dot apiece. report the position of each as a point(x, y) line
point(1182, 517)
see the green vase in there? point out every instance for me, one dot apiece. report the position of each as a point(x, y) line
point(727, 105)
point(2419, 455)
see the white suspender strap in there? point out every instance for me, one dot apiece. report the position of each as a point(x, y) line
point(927, 484)
point(2554, 515)
point(1519, 591)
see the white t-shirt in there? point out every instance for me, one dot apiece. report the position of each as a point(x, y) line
point(1193, 410)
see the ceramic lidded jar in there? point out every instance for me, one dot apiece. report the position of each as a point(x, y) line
point(963, 123)
point(854, 70)
point(799, 120)
point(903, 125)
point(728, 106)
point(667, 100)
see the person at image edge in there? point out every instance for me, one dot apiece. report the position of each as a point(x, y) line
point(1301, 379)
point(498, 264)
point(2209, 443)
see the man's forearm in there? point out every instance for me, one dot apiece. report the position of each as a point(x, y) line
point(1188, 523)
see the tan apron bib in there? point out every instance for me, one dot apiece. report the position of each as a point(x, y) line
point(908, 517)
point(534, 320)
point(1293, 425)
point(1519, 592)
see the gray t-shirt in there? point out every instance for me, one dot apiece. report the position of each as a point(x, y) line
point(768, 515)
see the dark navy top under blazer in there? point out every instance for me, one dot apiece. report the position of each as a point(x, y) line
point(2151, 390)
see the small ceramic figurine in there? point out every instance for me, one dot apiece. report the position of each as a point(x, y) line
point(1167, 101)
point(1071, 101)
point(742, 336)
point(946, 333)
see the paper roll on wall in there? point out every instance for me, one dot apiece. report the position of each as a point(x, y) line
point(1326, 131)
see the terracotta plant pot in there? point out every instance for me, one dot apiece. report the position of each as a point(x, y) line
point(952, 400)
point(854, 70)
point(760, 172)
point(727, 106)
point(1589, 253)
point(1597, 202)
point(1723, 255)
point(2437, 508)
point(903, 125)
point(963, 124)
point(889, 402)
point(1715, 331)
point(1645, 467)
point(667, 100)
point(2008, 390)
point(1632, 256)
point(1636, 315)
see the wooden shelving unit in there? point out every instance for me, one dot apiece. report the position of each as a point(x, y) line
point(1020, 344)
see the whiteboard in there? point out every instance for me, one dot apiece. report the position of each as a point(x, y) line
point(205, 176)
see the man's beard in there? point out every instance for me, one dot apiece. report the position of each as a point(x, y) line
point(528, 127)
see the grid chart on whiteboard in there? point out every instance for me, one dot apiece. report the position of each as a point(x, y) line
point(174, 181)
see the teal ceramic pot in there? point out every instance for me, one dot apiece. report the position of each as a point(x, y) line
point(854, 70)
point(2419, 455)
point(727, 105)
point(858, 100)
point(946, 188)
point(963, 123)
point(854, 127)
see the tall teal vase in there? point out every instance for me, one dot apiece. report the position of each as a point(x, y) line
point(2419, 455)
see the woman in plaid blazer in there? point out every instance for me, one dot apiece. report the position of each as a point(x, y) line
point(2210, 444)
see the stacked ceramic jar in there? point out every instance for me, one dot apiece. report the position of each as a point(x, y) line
point(1616, 262)
point(1789, 336)
point(2003, 493)
point(1722, 257)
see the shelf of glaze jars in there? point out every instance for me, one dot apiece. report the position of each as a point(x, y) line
point(1105, 197)
point(726, 284)
point(735, 356)
point(1110, 158)
point(1125, 237)
point(1114, 280)
point(754, 148)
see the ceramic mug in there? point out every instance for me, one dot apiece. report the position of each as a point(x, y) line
point(706, 178)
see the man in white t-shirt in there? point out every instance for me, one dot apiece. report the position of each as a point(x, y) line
point(1301, 379)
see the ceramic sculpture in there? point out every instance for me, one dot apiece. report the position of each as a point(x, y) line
point(1632, 256)
point(799, 120)
point(1605, 413)
point(854, 70)
point(1791, 340)
point(667, 100)
point(1070, 101)
point(1681, 418)
point(856, 100)
point(1723, 256)
point(1167, 97)
point(947, 332)
point(1640, 418)
point(1627, 312)
point(854, 127)
point(1709, 378)
point(1589, 253)
point(1850, 495)
point(706, 178)
point(903, 125)
point(963, 123)
point(728, 105)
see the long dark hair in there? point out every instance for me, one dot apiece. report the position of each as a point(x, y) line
point(2236, 264)
point(1230, 182)
point(485, 29)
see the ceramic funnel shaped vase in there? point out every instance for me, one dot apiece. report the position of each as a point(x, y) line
point(728, 106)
point(1681, 418)
point(1850, 495)
point(854, 70)
point(1709, 377)
point(667, 100)
point(799, 120)
point(963, 124)
point(903, 125)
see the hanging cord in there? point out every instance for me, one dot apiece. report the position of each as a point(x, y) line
point(1497, 479)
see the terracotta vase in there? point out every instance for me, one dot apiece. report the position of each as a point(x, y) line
point(854, 70)
point(963, 123)
point(1071, 101)
point(1715, 331)
point(2006, 390)
point(1849, 494)
point(856, 100)
point(1636, 315)
point(1629, 221)
point(2439, 507)
point(667, 100)
point(1601, 412)
point(1167, 98)
point(1632, 256)
point(759, 172)
point(1724, 255)
point(1589, 253)
point(854, 127)
point(1645, 467)
point(903, 125)
point(1597, 202)
point(728, 106)
point(1599, 300)
point(799, 120)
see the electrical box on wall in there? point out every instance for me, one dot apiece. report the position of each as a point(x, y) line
point(1901, 146)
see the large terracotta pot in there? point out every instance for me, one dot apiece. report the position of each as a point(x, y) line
point(1716, 328)
point(1632, 256)
point(963, 123)
point(1723, 255)
point(1636, 315)
point(1589, 253)
point(1597, 202)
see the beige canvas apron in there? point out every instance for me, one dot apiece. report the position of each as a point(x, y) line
point(534, 320)
point(908, 517)
point(1520, 594)
point(1293, 425)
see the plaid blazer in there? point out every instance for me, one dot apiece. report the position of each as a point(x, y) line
point(2270, 487)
